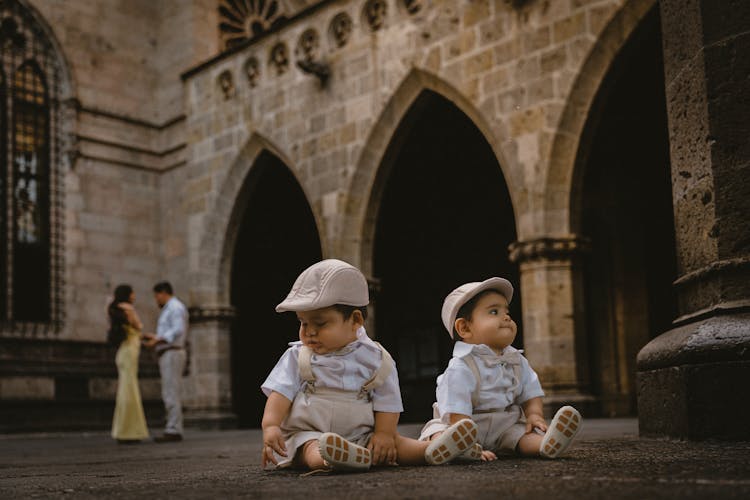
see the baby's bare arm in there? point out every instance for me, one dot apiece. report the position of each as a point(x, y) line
point(277, 408)
point(533, 411)
point(383, 442)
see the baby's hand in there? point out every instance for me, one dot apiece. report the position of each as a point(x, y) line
point(272, 441)
point(382, 446)
point(535, 421)
point(488, 456)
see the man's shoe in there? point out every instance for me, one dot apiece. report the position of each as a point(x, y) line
point(168, 438)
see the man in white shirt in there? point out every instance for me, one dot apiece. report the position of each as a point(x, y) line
point(169, 343)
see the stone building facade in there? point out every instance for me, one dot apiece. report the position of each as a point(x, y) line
point(226, 145)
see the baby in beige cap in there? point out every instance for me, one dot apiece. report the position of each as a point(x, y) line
point(489, 381)
point(333, 397)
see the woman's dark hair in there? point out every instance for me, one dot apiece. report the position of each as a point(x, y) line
point(117, 317)
point(347, 311)
point(466, 310)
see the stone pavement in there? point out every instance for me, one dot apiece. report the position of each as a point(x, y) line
point(609, 461)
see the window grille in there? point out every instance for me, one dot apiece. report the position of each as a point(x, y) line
point(31, 190)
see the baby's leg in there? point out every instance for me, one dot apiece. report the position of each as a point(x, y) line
point(529, 444)
point(410, 451)
point(309, 456)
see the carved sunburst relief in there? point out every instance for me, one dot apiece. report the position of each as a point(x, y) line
point(242, 20)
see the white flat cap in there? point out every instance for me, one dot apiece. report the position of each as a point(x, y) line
point(468, 291)
point(327, 283)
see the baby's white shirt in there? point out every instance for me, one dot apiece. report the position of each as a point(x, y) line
point(349, 369)
point(457, 383)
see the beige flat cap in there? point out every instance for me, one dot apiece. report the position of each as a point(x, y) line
point(327, 283)
point(466, 292)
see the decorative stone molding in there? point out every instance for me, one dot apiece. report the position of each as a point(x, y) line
point(307, 54)
point(225, 82)
point(242, 20)
point(517, 3)
point(548, 248)
point(374, 13)
point(412, 6)
point(211, 313)
point(308, 45)
point(280, 58)
point(252, 71)
point(340, 29)
point(714, 268)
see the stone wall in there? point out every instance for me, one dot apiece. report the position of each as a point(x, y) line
point(525, 74)
point(123, 144)
point(125, 97)
point(166, 132)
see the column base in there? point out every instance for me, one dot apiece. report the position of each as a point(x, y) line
point(693, 381)
point(210, 419)
point(586, 404)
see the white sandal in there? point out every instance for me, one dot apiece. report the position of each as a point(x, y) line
point(564, 427)
point(474, 452)
point(456, 440)
point(343, 455)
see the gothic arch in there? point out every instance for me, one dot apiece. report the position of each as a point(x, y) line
point(562, 179)
point(33, 57)
point(223, 220)
point(372, 168)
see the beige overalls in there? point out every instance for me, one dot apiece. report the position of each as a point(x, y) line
point(499, 428)
point(316, 410)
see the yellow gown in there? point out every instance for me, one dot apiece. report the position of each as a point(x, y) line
point(129, 421)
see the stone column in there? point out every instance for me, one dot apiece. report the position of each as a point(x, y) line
point(553, 317)
point(208, 387)
point(693, 379)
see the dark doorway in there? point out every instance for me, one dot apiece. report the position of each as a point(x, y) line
point(445, 218)
point(277, 239)
point(626, 206)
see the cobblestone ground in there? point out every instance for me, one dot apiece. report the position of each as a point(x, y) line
point(609, 461)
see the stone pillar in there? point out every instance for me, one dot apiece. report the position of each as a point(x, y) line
point(373, 288)
point(553, 317)
point(693, 379)
point(208, 387)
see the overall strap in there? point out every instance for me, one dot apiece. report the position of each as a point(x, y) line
point(472, 364)
point(517, 389)
point(381, 374)
point(305, 367)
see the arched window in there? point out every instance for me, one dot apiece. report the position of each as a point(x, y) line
point(31, 288)
point(30, 194)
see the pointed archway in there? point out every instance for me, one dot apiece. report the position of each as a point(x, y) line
point(622, 201)
point(444, 218)
point(277, 238)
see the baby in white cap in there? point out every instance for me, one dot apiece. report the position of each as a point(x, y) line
point(490, 382)
point(333, 397)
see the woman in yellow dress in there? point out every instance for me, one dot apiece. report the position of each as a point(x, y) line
point(129, 422)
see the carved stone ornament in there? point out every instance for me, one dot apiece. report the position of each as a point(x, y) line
point(252, 71)
point(548, 249)
point(341, 28)
point(280, 57)
point(226, 84)
point(308, 46)
point(412, 6)
point(375, 11)
point(242, 20)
